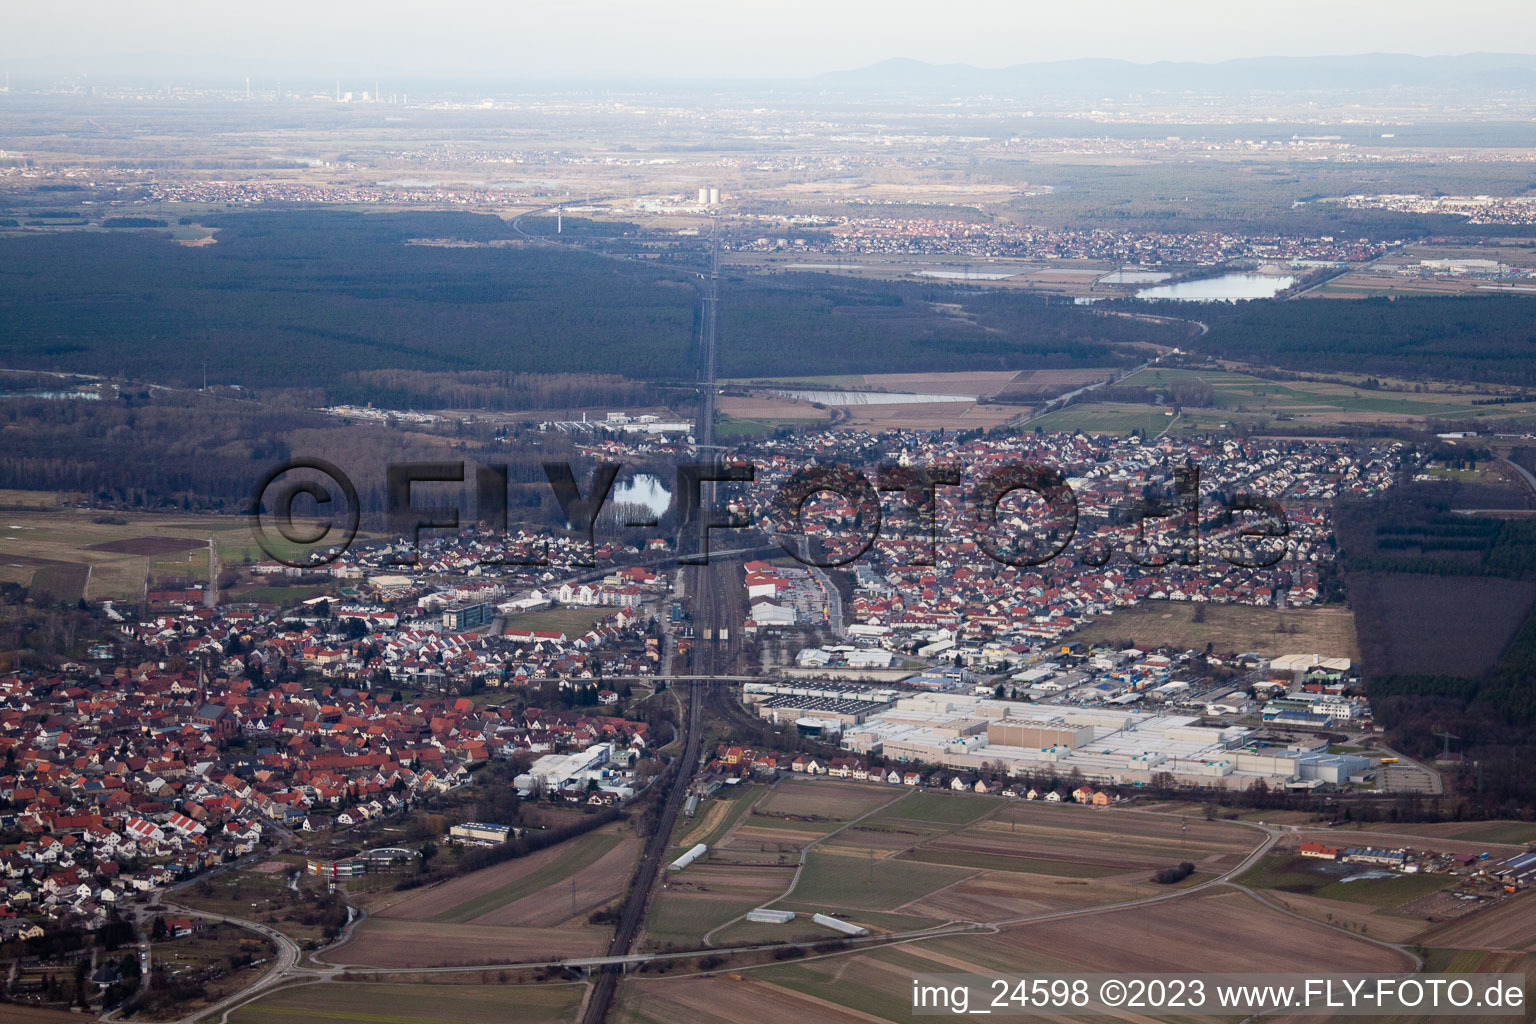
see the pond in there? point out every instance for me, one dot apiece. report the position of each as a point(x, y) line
point(1226, 288)
point(645, 489)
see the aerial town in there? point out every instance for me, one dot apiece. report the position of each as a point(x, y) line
point(644, 513)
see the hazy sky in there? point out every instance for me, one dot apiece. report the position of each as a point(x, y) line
point(721, 38)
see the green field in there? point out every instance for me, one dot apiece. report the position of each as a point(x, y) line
point(937, 808)
point(681, 920)
point(739, 800)
point(415, 1004)
point(1241, 394)
point(992, 862)
point(66, 542)
point(1106, 418)
point(791, 825)
point(860, 983)
point(572, 621)
point(732, 428)
point(1286, 873)
point(1513, 833)
point(576, 854)
point(278, 595)
point(853, 883)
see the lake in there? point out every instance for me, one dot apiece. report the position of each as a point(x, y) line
point(1226, 288)
point(967, 275)
point(643, 489)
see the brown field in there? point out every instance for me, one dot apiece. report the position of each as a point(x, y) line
point(723, 1000)
point(576, 896)
point(378, 942)
point(883, 839)
point(29, 499)
point(929, 416)
point(1378, 922)
point(747, 837)
point(969, 382)
point(63, 548)
point(1078, 842)
point(1052, 382)
point(1231, 627)
point(147, 545)
point(997, 895)
point(15, 1013)
point(823, 799)
point(415, 1004)
point(773, 407)
point(723, 880)
point(1509, 926)
point(1221, 931)
point(430, 901)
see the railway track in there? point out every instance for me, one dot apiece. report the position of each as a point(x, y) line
point(706, 659)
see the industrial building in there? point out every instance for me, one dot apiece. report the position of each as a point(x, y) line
point(554, 772)
point(480, 833)
point(1378, 857)
point(467, 615)
point(1519, 870)
point(753, 692)
point(792, 707)
point(1108, 745)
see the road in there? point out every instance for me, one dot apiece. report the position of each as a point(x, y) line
point(1272, 834)
point(284, 962)
point(287, 972)
point(1061, 401)
point(1525, 474)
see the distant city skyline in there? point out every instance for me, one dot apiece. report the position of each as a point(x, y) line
point(715, 39)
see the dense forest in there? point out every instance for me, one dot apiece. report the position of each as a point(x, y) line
point(290, 299)
point(163, 450)
point(1488, 338)
point(1443, 605)
point(330, 299)
point(816, 323)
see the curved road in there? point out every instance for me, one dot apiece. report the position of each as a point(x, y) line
point(287, 972)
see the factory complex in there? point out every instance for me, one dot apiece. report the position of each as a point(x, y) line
point(1107, 745)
